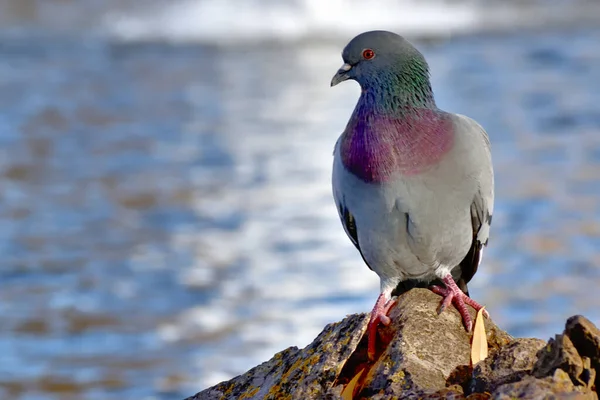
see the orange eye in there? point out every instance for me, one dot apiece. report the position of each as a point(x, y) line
point(368, 54)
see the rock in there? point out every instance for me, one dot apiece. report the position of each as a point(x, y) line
point(424, 355)
point(416, 355)
point(307, 373)
point(510, 363)
point(586, 339)
point(559, 353)
point(556, 387)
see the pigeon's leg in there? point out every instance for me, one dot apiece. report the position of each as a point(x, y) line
point(379, 314)
point(453, 295)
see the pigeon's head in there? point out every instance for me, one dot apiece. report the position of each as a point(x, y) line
point(380, 58)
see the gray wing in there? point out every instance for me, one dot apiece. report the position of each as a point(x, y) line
point(349, 225)
point(346, 217)
point(481, 208)
point(481, 220)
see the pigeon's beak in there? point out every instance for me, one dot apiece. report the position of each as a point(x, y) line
point(341, 75)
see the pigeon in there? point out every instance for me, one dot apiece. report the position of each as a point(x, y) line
point(413, 185)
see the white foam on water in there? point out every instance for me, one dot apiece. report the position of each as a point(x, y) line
point(236, 21)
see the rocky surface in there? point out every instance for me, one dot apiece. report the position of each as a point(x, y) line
point(424, 355)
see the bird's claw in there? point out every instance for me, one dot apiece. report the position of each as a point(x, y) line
point(379, 314)
point(453, 295)
point(385, 320)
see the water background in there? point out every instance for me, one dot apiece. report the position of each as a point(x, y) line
point(166, 219)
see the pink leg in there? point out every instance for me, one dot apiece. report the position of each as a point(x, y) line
point(379, 314)
point(453, 295)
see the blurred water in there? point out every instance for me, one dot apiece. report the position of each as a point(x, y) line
point(252, 21)
point(166, 220)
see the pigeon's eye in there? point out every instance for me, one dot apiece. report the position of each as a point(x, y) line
point(368, 54)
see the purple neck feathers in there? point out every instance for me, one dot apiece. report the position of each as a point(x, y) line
point(376, 145)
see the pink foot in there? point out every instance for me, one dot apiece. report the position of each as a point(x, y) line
point(379, 314)
point(453, 295)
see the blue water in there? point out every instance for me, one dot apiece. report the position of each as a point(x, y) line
point(166, 220)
